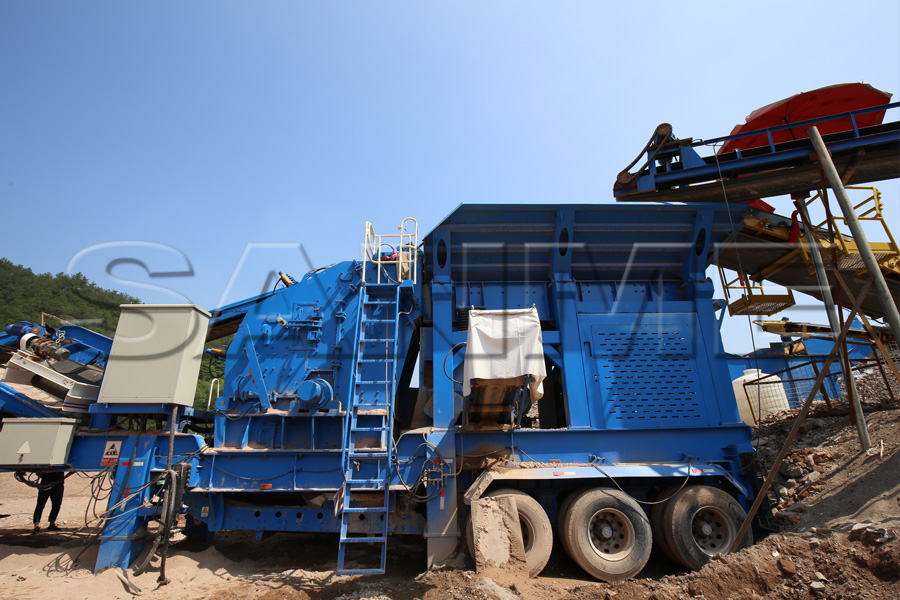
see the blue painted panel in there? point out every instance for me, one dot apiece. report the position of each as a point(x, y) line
point(646, 374)
point(20, 405)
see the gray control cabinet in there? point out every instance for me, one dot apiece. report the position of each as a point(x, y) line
point(155, 355)
point(36, 441)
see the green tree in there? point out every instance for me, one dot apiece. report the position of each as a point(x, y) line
point(25, 294)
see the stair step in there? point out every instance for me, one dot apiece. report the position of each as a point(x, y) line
point(375, 360)
point(378, 320)
point(374, 302)
point(364, 540)
point(377, 340)
point(371, 381)
point(365, 509)
point(384, 429)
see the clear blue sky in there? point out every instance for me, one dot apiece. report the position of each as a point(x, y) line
point(205, 126)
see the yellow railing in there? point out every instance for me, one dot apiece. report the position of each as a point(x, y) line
point(753, 299)
point(847, 251)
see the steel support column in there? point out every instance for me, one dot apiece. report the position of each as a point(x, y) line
point(834, 321)
point(892, 315)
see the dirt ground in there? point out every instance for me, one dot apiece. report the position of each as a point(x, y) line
point(839, 507)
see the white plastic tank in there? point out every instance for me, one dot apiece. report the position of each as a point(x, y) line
point(757, 401)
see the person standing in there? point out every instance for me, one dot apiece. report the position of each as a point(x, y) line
point(50, 487)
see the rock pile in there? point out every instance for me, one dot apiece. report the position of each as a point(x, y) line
point(802, 471)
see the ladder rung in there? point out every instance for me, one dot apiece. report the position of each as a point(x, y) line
point(375, 360)
point(368, 429)
point(378, 482)
point(365, 509)
point(364, 540)
point(367, 302)
point(378, 453)
point(377, 340)
point(360, 571)
point(369, 381)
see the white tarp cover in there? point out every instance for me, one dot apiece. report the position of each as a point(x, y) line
point(503, 344)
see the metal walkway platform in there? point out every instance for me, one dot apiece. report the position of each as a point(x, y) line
point(766, 253)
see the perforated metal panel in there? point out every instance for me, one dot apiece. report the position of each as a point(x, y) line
point(647, 374)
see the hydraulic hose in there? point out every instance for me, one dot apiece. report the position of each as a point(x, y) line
point(170, 516)
point(449, 352)
point(165, 505)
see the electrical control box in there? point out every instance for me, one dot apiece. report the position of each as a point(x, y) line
point(156, 354)
point(36, 442)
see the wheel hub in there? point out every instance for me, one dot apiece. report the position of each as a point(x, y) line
point(713, 531)
point(611, 534)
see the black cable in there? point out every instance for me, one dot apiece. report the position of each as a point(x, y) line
point(648, 503)
point(169, 522)
point(21, 477)
point(142, 564)
point(240, 416)
point(449, 352)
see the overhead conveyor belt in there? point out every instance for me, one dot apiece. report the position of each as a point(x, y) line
point(765, 249)
point(675, 171)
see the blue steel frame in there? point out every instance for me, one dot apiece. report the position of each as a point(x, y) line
point(276, 457)
point(591, 271)
point(137, 475)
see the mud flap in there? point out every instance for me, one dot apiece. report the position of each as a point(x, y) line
point(497, 535)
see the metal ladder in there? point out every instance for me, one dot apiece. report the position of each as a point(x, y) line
point(367, 444)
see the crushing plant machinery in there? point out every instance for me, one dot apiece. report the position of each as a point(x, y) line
point(568, 356)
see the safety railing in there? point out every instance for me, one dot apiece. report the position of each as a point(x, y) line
point(877, 387)
point(392, 252)
point(886, 253)
point(753, 300)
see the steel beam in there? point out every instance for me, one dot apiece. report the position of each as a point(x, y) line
point(859, 236)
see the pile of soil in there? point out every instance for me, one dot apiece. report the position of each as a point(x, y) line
point(821, 565)
point(839, 508)
point(826, 479)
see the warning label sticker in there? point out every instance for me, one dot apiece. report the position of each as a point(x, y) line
point(111, 453)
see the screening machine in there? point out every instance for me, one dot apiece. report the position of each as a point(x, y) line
point(567, 355)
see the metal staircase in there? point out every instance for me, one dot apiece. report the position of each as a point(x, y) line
point(364, 499)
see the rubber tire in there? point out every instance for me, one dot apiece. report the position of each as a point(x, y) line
point(656, 520)
point(533, 517)
point(677, 522)
point(577, 526)
point(561, 517)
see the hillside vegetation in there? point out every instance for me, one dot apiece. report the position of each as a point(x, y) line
point(25, 294)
